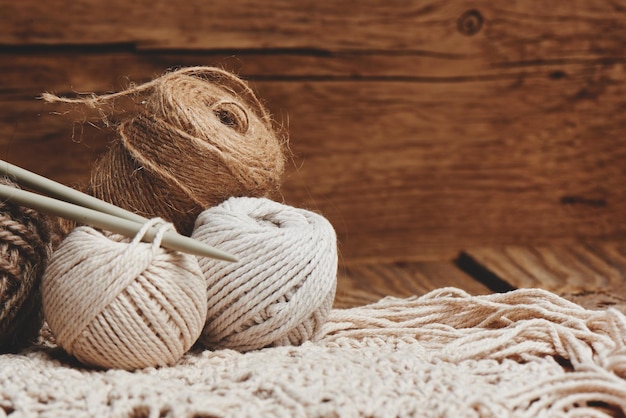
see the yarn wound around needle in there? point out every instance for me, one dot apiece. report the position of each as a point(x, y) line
point(26, 240)
point(283, 286)
point(118, 304)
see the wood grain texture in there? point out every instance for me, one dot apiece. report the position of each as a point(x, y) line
point(591, 274)
point(418, 129)
point(433, 25)
point(575, 267)
point(367, 283)
point(408, 170)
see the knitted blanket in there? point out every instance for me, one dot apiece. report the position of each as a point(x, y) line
point(526, 353)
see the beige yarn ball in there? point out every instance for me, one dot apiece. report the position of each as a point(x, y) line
point(281, 290)
point(115, 304)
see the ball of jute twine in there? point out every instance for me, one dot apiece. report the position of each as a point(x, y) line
point(192, 138)
point(26, 240)
point(283, 286)
point(115, 304)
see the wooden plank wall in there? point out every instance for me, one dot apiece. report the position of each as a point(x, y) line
point(419, 128)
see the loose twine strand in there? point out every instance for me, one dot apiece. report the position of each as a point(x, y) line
point(211, 74)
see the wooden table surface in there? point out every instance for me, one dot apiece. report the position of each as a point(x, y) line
point(588, 273)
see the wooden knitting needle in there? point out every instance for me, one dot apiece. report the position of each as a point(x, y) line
point(63, 192)
point(94, 212)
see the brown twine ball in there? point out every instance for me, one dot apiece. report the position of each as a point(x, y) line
point(115, 304)
point(194, 138)
point(26, 239)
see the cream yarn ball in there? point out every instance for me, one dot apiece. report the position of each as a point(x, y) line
point(115, 304)
point(282, 288)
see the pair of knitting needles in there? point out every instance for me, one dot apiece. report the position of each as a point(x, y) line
point(79, 207)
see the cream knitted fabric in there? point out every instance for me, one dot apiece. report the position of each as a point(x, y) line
point(526, 353)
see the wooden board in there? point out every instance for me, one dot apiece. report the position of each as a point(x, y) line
point(404, 170)
point(450, 27)
point(367, 283)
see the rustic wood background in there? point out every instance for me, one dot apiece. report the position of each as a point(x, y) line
point(420, 129)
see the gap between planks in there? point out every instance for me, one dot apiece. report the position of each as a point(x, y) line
point(590, 274)
point(365, 283)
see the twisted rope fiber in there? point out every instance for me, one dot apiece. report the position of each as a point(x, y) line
point(26, 240)
point(283, 286)
point(189, 140)
point(115, 304)
point(527, 353)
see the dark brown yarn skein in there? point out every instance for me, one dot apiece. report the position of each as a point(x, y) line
point(195, 137)
point(26, 239)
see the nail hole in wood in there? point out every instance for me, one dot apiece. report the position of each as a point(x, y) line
point(557, 75)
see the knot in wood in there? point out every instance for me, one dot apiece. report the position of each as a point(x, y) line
point(470, 22)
